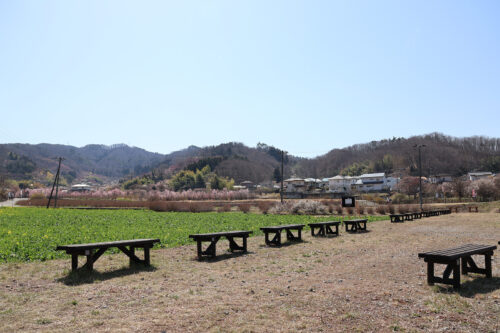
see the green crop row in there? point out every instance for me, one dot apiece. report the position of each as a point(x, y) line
point(28, 234)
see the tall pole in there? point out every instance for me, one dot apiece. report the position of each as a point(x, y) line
point(282, 175)
point(56, 180)
point(420, 175)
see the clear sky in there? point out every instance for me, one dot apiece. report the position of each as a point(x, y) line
point(304, 76)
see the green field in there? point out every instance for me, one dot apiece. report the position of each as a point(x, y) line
point(33, 233)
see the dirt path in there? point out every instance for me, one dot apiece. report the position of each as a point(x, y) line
point(355, 282)
point(11, 203)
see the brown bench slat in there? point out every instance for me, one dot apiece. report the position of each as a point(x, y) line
point(88, 246)
point(457, 252)
point(324, 223)
point(281, 227)
point(237, 233)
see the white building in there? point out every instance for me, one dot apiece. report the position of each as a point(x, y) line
point(479, 175)
point(370, 182)
point(294, 185)
point(341, 184)
point(81, 188)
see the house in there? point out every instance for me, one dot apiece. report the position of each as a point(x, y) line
point(439, 179)
point(375, 182)
point(341, 184)
point(248, 184)
point(478, 175)
point(294, 185)
point(81, 188)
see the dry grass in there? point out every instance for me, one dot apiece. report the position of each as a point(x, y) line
point(356, 282)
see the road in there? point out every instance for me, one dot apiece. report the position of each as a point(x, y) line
point(10, 203)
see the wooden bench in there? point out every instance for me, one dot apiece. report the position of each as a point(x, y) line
point(88, 250)
point(397, 218)
point(355, 225)
point(417, 215)
point(213, 238)
point(473, 208)
point(325, 228)
point(276, 230)
point(452, 257)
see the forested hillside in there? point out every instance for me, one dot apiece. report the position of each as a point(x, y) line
point(440, 154)
point(21, 161)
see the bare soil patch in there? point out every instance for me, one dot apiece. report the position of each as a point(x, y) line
point(370, 281)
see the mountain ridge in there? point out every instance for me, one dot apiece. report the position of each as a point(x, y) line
point(441, 154)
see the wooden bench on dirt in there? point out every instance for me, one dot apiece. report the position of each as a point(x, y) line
point(88, 250)
point(325, 229)
point(213, 238)
point(276, 230)
point(452, 258)
point(401, 217)
point(417, 215)
point(473, 209)
point(355, 225)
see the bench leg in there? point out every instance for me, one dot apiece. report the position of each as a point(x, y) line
point(276, 239)
point(147, 260)
point(132, 250)
point(469, 266)
point(291, 237)
point(74, 262)
point(430, 273)
point(329, 230)
point(233, 246)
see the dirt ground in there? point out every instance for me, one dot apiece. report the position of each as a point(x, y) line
point(362, 282)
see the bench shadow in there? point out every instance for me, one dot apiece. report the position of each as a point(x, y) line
point(358, 232)
point(83, 276)
point(471, 288)
point(285, 244)
point(224, 256)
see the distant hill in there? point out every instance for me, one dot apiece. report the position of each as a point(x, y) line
point(232, 160)
point(441, 154)
point(21, 160)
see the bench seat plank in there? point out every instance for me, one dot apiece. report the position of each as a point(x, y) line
point(88, 246)
point(281, 227)
point(457, 252)
point(238, 233)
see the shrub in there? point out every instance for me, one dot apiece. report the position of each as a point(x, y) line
point(339, 209)
point(391, 209)
point(350, 210)
point(244, 207)
point(225, 208)
point(403, 209)
point(369, 211)
point(264, 206)
point(36, 196)
point(381, 209)
point(360, 210)
point(309, 207)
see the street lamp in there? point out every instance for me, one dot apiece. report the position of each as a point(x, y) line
point(419, 172)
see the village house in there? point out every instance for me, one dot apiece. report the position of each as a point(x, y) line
point(294, 185)
point(341, 184)
point(370, 182)
point(439, 179)
point(472, 176)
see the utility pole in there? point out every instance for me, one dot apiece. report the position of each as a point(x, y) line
point(282, 175)
point(419, 172)
point(56, 185)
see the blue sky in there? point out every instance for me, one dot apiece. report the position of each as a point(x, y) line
point(304, 76)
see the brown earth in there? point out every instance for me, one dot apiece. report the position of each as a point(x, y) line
point(356, 282)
